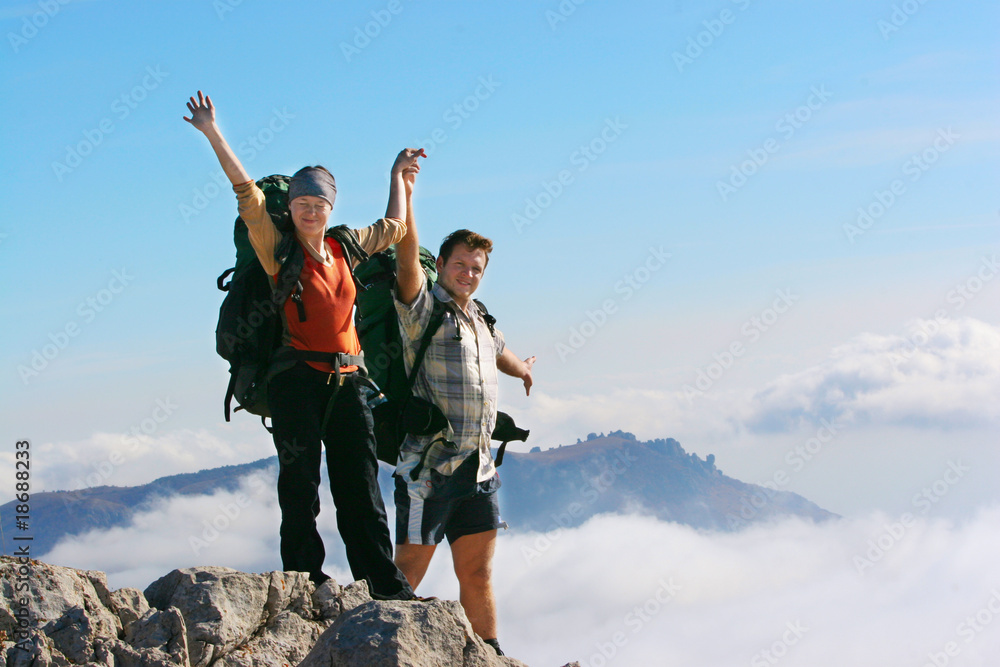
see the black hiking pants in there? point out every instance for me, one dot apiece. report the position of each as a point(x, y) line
point(298, 400)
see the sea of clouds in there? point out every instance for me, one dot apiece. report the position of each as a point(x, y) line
point(631, 590)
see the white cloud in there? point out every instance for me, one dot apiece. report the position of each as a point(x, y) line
point(648, 413)
point(647, 592)
point(600, 590)
point(872, 591)
point(937, 374)
point(236, 529)
point(122, 459)
point(940, 374)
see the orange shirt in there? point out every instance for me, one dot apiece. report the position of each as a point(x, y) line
point(328, 297)
point(328, 290)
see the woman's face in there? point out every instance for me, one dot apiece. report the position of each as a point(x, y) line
point(310, 214)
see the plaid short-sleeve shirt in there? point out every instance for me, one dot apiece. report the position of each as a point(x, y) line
point(459, 375)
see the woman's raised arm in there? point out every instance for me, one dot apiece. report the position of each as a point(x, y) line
point(203, 118)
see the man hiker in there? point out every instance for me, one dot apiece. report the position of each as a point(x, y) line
point(446, 483)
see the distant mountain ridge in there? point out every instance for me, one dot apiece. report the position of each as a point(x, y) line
point(542, 490)
point(617, 473)
point(59, 514)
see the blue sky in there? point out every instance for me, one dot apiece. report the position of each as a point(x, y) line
point(589, 141)
point(695, 267)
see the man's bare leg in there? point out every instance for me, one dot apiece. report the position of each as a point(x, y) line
point(412, 560)
point(473, 558)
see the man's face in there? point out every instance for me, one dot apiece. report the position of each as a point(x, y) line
point(461, 274)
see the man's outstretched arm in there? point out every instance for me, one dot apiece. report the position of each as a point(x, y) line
point(509, 364)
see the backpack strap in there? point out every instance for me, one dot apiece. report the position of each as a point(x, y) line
point(288, 286)
point(489, 319)
point(506, 431)
point(348, 240)
point(335, 359)
point(437, 319)
point(230, 392)
point(221, 280)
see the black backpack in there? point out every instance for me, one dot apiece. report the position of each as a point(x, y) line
point(249, 330)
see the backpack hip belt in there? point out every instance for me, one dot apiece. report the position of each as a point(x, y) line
point(335, 359)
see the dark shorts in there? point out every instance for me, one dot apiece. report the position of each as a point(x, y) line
point(447, 514)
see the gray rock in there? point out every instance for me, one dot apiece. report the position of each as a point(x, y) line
point(326, 600)
point(284, 641)
point(39, 652)
point(408, 634)
point(222, 607)
point(117, 653)
point(289, 590)
point(161, 632)
point(129, 604)
point(218, 617)
point(61, 601)
point(73, 634)
point(333, 600)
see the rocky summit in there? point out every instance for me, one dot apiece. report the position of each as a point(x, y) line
point(220, 617)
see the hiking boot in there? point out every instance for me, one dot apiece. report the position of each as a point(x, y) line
point(402, 597)
point(495, 644)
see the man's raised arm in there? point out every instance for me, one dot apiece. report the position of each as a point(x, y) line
point(409, 275)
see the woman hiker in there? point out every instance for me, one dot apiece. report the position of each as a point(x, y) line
point(315, 401)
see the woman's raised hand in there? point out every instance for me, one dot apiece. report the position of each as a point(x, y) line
point(203, 118)
point(202, 112)
point(407, 159)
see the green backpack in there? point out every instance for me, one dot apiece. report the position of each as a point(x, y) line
point(376, 320)
point(398, 411)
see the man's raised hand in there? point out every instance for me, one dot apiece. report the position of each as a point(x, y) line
point(409, 176)
point(407, 159)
